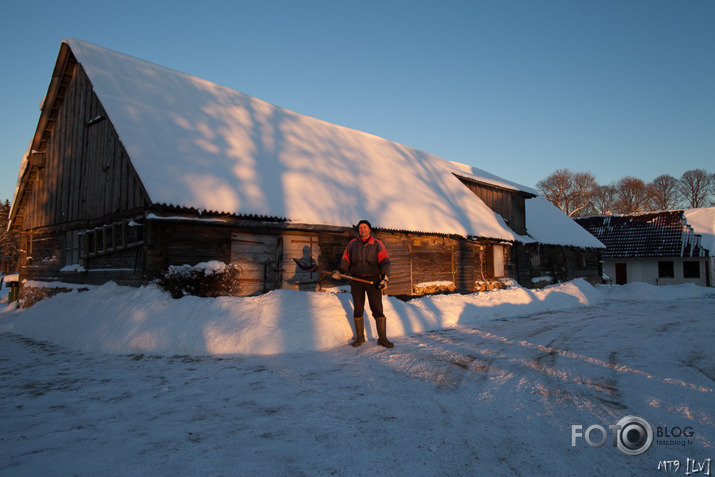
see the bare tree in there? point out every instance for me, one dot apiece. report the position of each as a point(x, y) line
point(664, 192)
point(696, 186)
point(631, 195)
point(603, 201)
point(570, 192)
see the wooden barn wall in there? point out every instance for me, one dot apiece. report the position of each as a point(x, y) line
point(46, 256)
point(559, 262)
point(87, 174)
point(496, 199)
point(401, 267)
point(510, 205)
point(266, 256)
point(43, 258)
point(179, 243)
point(80, 179)
point(517, 222)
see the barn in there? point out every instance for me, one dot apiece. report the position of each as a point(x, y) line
point(135, 168)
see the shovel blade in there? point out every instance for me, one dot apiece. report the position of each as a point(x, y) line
point(304, 266)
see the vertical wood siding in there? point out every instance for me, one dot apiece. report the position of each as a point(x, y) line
point(87, 174)
point(509, 204)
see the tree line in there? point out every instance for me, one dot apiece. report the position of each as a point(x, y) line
point(8, 242)
point(578, 194)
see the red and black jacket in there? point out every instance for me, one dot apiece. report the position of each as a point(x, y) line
point(365, 259)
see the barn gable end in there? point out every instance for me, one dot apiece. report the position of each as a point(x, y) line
point(76, 177)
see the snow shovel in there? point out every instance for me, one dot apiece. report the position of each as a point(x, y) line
point(314, 268)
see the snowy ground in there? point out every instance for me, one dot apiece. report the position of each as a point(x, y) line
point(119, 381)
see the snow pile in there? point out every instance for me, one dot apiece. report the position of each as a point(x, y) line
point(212, 267)
point(116, 319)
point(645, 292)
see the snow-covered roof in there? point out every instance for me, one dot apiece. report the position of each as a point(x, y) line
point(656, 234)
point(703, 223)
point(197, 144)
point(547, 224)
point(480, 175)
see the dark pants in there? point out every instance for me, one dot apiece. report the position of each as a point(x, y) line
point(374, 297)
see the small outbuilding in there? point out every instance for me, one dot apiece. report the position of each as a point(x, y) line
point(660, 248)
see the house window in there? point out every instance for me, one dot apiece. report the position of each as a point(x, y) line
point(666, 270)
point(691, 269)
point(71, 247)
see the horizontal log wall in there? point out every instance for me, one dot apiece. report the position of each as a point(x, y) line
point(399, 248)
point(46, 259)
point(266, 256)
point(180, 243)
point(43, 259)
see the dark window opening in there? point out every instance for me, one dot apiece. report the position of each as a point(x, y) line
point(666, 270)
point(691, 269)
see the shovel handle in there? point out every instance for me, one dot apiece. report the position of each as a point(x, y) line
point(325, 272)
point(358, 279)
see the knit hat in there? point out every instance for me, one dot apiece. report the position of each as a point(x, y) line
point(363, 221)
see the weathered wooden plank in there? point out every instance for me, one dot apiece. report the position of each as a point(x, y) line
point(256, 255)
point(304, 247)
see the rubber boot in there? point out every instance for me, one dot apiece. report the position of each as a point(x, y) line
point(382, 333)
point(359, 331)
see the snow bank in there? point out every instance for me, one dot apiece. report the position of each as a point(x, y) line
point(116, 319)
point(638, 291)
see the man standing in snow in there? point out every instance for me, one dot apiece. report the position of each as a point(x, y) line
point(366, 257)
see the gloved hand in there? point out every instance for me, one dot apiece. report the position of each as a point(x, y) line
point(382, 284)
point(336, 275)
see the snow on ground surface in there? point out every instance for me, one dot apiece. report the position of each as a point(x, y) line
point(121, 381)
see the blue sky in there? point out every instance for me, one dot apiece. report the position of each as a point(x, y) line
point(518, 88)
